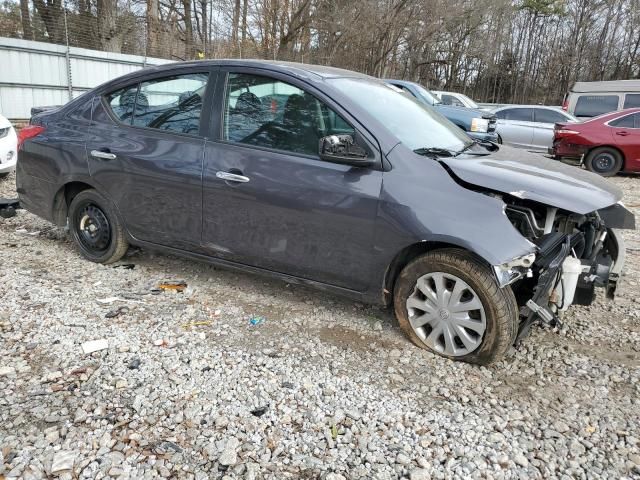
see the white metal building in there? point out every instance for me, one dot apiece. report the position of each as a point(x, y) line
point(36, 74)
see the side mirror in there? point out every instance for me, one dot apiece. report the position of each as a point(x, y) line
point(342, 149)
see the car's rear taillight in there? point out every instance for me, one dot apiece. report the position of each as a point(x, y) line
point(565, 102)
point(27, 132)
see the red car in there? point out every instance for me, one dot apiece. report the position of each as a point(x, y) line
point(607, 144)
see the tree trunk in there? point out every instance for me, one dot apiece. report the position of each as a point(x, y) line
point(188, 30)
point(153, 15)
point(52, 16)
point(107, 25)
point(27, 31)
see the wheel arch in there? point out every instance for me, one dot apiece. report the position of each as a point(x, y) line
point(407, 254)
point(63, 197)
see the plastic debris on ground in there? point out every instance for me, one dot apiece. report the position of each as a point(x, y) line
point(196, 324)
point(178, 286)
point(257, 320)
point(125, 266)
point(94, 346)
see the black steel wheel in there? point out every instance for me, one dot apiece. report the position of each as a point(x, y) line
point(604, 161)
point(96, 229)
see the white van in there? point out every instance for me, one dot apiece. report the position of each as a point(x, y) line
point(590, 99)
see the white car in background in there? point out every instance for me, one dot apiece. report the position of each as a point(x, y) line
point(455, 99)
point(8, 147)
point(529, 126)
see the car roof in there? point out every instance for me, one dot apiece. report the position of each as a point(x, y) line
point(607, 86)
point(303, 69)
point(617, 113)
point(548, 107)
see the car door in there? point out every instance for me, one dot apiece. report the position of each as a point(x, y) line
point(270, 201)
point(625, 134)
point(544, 122)
point(146, 148)
point(515, 126)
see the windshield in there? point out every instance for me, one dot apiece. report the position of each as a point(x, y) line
point(470, 103)
point(414, 124)
point(426, 95)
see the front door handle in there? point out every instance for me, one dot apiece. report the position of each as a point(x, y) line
point(622, 134)
point(103, 155)
point(232, 177)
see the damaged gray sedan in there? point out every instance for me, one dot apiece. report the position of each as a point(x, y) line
point(333, 179)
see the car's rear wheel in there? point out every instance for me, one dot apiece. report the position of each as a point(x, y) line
point(449, 302)
point(96, 229)
point(499, 140)
point(604, 161)
point(4, 175)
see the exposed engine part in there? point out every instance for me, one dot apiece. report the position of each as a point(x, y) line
point(524, 220)
point(568, 281)
point(551, 217)
point(542, 312)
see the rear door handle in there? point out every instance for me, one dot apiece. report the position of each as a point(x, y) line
point(103, 155)
point(622, 134)
point(232, 177)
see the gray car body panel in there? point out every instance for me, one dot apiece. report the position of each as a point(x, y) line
point(534, 177)
point(328, 225)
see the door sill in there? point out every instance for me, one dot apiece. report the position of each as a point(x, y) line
point(341, 291)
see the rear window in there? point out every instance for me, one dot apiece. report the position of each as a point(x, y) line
point(543, 115)
point(594, 105)
point(518, 114)
point(632, 100)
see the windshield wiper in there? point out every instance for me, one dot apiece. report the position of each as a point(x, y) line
point(490, 147)
point(435, 152)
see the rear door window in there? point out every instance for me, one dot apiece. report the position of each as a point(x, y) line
point(628, 121)
point(516, 114)
point(632, 100)
point(594, 105)
point(623, 122)
point(543, 115)
point(171, 103)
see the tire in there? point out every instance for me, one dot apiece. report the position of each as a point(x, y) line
point(604, 161)
point(106, 242)
point(4, 175)
point(499, 140)
point(497, 317)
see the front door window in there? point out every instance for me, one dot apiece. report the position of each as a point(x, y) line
point(269, 113)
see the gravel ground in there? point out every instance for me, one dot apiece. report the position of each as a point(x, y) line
point(188, 387)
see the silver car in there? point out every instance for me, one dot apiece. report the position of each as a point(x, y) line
point(529, 126)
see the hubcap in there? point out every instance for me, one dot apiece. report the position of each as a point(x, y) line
point(94, 231)
point(446, 313)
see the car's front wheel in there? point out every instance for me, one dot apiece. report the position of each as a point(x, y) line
point(449, 302)
point(604, 161)
point(96, 229)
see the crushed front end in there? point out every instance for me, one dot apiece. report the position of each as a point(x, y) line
point(575, 253)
